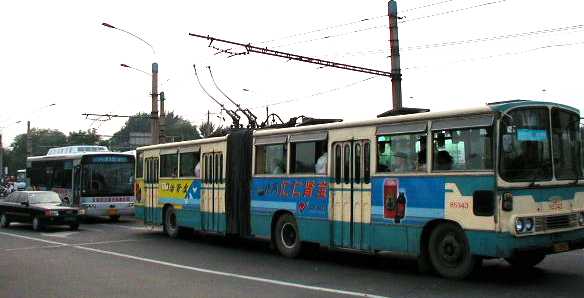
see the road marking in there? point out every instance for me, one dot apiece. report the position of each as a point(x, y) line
point(203, 270)
point(129, 227)
point(59, 234)
point(32, 247)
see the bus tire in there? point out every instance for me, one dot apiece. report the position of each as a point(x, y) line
point(525, 260)
point(449, 252)
point(4, 222)
point(170, 225)
point(287, 236)
point(74, 226)
point(37, 224)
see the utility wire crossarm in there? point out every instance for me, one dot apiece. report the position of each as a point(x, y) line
point(253, 49)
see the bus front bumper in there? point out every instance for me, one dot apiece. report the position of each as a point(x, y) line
point(504, 245)
point(112, 212)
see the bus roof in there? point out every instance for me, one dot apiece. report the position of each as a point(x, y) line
point(74, 156)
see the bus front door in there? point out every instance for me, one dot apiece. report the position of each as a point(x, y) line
point(151, 216)
point(351, 195)
point(213, 193)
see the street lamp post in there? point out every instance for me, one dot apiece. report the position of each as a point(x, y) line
point(154, 119)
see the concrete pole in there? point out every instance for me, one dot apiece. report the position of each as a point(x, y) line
point(28, 140)
point(154, 114)
point(396, 76)
point(162, 120)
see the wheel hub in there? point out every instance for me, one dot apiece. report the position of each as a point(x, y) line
point(450, 250)
point(288, 235)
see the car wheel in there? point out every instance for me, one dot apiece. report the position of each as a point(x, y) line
point(526, 260)
point(37, 225)
point(74, 226)
point(4, 223)
point(170, 224)
point(287, 236)
point(449, 252)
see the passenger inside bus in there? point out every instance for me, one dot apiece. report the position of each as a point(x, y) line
point(198, 170)
point(443, 161)
point(321, 164)
point(400, 163)
point(275, 167)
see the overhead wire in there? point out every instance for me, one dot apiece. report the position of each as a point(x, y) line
point(317, 93)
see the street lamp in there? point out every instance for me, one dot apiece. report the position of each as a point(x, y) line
point(155, 130)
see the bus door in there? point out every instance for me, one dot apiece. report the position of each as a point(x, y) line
point(213, 193)
point(351, 199)
point(150, 192)
point(76, 199)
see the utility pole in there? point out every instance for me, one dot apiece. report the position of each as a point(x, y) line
point(396, 77)
point(154, 114)
point(162, 120)
point(28, 140)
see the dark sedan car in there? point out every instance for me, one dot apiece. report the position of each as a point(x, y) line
point(41, 208)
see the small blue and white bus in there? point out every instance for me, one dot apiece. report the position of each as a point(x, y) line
point(452, 188)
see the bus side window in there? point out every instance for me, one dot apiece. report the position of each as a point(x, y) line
point(366, 163)
point(221, 178)
point(338, 164)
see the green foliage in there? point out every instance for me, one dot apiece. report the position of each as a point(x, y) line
point(177, 129)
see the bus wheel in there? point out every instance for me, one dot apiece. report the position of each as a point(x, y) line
point(525, 260)
point(4, 221)
point(74, 226)
point(170, 225)
point(37, 225)
point(287, 238)
point(450, 253)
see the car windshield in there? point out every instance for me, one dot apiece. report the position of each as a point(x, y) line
point(525, 145)
point(43, 198)
point(566, 144)
point(107, 179)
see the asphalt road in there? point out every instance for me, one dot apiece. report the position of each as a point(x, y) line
point(126, 259)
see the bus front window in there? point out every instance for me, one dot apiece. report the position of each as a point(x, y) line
point(107, 179)
point(566, 144)
point(525, 146)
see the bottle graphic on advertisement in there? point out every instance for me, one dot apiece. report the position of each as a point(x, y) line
point(390, 188)
point(401, 207)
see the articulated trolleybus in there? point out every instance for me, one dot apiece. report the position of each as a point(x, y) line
point(452, 188)
point(92, 178)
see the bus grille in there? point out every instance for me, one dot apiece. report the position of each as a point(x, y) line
point(555, 222)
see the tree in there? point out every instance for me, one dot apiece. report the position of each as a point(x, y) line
point(208, 129)
point(177, 129)
point(81, 137)
point(42, 140)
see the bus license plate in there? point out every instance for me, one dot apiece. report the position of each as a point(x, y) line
point(112, 211)
point(561, 247)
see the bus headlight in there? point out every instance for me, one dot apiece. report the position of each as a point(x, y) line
point(528, 222)
point(519, 226)
point(581, 218)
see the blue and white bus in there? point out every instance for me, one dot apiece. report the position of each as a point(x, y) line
point(452, 188)
point(92, 178)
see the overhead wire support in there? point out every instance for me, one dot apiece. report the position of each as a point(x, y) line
point(233, 114)
point(251, 118)
point(253, 49)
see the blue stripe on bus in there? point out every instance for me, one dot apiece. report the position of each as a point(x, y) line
point(273, 205)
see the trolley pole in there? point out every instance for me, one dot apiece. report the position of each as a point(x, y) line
point(162, 120)
point(154, 129)
point(28, 140)
point(396, 76)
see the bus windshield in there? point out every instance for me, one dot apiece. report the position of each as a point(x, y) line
point(528, 141)
point(107, 179)
point(566, 145)
point(525, 145)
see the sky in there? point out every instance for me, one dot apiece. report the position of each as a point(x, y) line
point(454, 54)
